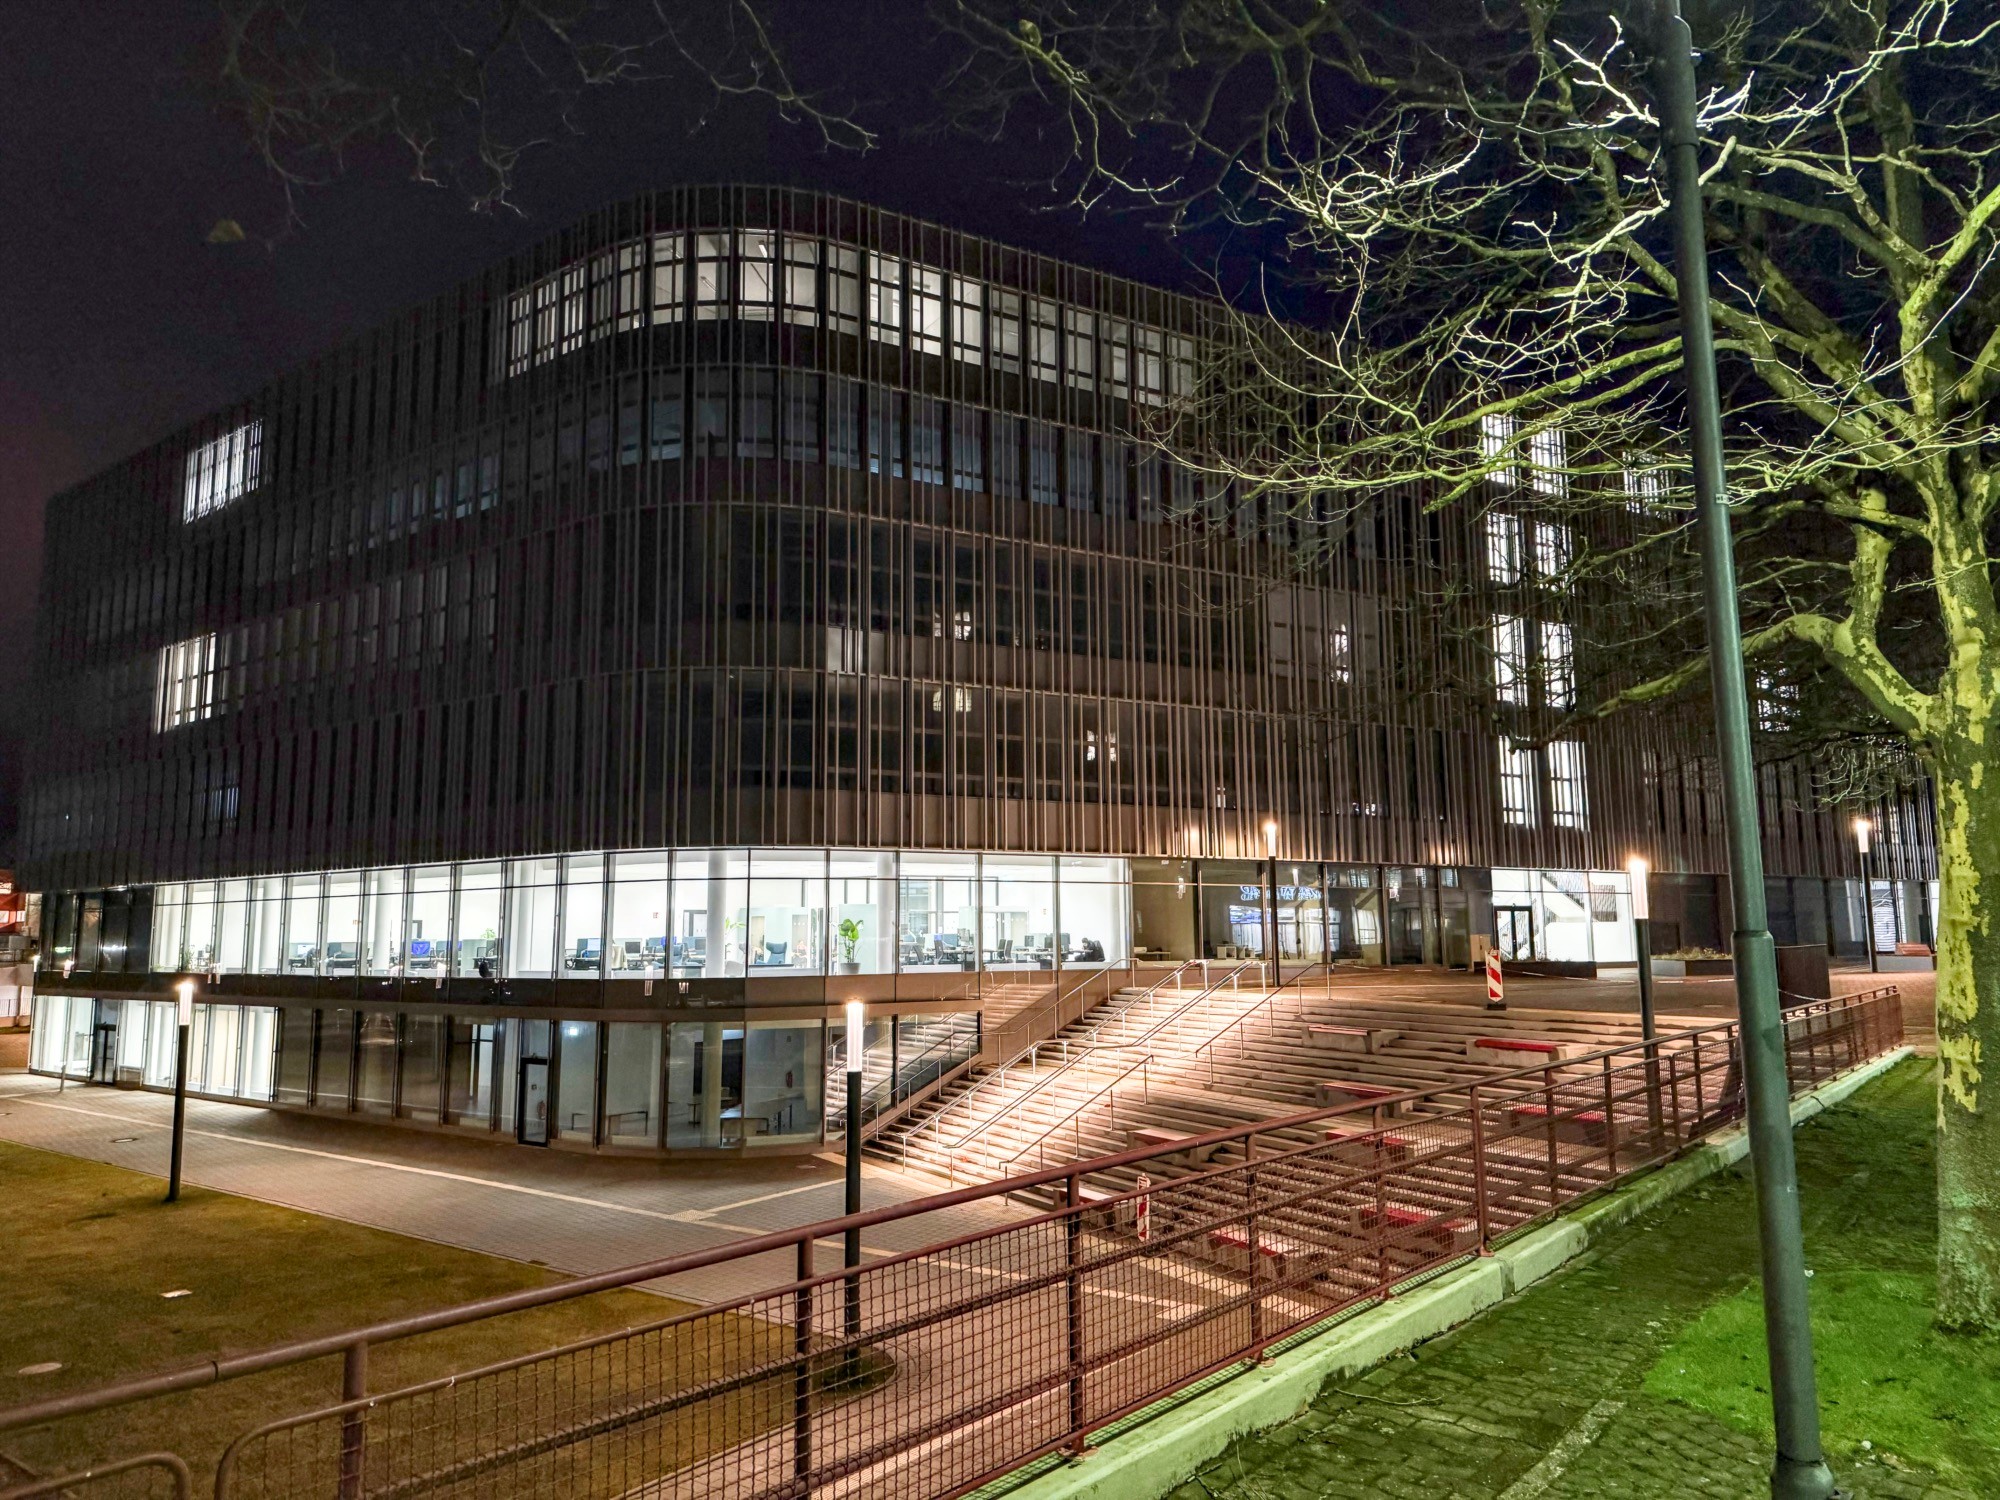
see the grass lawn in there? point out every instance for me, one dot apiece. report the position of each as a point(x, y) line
point(1887, 1379)
point(91, 1250)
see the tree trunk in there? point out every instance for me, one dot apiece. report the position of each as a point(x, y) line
point(1968, 1024)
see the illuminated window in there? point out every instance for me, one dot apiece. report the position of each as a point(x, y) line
point(1555, 550)
point(1510, 658)
point(1558, 665)
point(185, 692)
point(885, 298)
point(1569, 795)
point(1149, 382)
point(1503, 547)
point(1080, 331)
point(1496, 445)
point(801, 281)
point(221, 469)
point(927, 309)
point(1041, 339)
point(1548, 461)
point(1776, 701)
point(1645, 481)
point(968, 319)
point(1007, 330)
point(669, 278)
point(843, 288)
point(756, 286)
point(711, 274)
point(1117, 372)
point(1517, 784)
point(1180, 368)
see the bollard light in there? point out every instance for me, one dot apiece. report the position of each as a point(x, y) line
point(857, 1021)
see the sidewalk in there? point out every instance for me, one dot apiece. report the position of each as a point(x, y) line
point(575, 1214)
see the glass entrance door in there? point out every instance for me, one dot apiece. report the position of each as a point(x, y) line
point(532, 1124)
point(1514, 931)
point(104, 1045)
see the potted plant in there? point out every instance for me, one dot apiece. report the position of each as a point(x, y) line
point(849, 934)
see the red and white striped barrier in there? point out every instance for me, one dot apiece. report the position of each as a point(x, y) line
point(1496, 985)
point(1142, 1213)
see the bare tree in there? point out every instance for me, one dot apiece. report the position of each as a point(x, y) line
point(464, 90)
point(1475, 196)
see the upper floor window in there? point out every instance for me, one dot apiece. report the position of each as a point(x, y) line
point(1645, 481)
point(1510, 659)
point(1007, 330)
point(885, 298)
point(757, 274)
point(711, 274)
point(1517, 784)
point(1503, 547)
point(1042, 338)
point(843, 288)
point(968, 304)
point(1555, 550)
point(927, 309)
point(1150, 370)
point(185, 690)
point(221, 469)
point(1548, 461)
point(801, 280)
point(669, 278)
point(1558, 665)
point(1776, 702)
point(1082, 350)
point(1569, 792)
point(1496, 447)
point(1180, 368)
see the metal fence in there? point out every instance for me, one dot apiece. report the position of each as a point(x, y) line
point(1077, 1296)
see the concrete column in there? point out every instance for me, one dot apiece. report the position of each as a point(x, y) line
point(715, 934)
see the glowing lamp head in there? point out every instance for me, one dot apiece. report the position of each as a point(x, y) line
point(857, 1020)
point(1271, 837)
point(1638, 869)
point(1864, 832)
point(184, 1001)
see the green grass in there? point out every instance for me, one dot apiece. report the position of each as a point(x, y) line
point(91, 1249)
point(1887, 1378)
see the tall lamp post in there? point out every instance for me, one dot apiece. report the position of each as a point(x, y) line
point(1642, 939)
point(1864, 832)
point(1799, 1470)
point(1271, 865)
point(857, 1022)
point(184, 1018)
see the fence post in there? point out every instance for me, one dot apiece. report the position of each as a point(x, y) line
point(1610, 1122)
point(1549, 1125)
point(802, 1333)
point(1073, 1258)
point(1674, 1082)
point(1700, 1100)
point(353, 1424)
point(1250, 1243)
point(1479, 1171)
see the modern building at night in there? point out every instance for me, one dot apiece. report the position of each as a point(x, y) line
point(538, 715)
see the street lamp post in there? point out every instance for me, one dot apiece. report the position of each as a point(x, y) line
point(1864, 836)
point(1271, 865)
point(184, 1018)
point(857, 1021)
point(1642, 941)
point(1799, 1470)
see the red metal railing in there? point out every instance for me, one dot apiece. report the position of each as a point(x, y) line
point(928, 1371)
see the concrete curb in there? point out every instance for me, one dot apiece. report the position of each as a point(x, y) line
point(1152, 1458)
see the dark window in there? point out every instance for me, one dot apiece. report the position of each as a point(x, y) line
point(757, 414)
point(843, 424)
point(1006, 456)
point(802, 416)
point(968, 455)
point(927, 439)
point(711, 414)
point(885, 433)
point(1042, 463)
point(667, 418)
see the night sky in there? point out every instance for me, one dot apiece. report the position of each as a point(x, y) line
point(118, 323)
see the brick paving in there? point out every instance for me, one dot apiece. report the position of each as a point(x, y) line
point(1543, 1399)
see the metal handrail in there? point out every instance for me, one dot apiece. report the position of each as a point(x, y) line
point(1055, 1002)
point(1129, 1070)
point(894, 1076)
point(1076, 1057)
point(224, 1367)
point(935, 1123)
point(1236, 1024)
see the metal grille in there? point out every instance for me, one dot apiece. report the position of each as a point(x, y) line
point(927, 1371)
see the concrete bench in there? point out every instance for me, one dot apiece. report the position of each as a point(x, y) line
point(1364, 1039)
point(1173, 1144)
point(1279, 1258)
point(1335, 1091)
point(1584, 1127)
point(1454, 1234)
point(1514, 1051)
point(1388, 1145)
point(1099, 1211)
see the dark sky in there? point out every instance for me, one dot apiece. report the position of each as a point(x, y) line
point(117, 321)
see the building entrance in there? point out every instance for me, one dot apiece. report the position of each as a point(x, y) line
point(1514, 931)
point(532, 1125)
point(104, 1046)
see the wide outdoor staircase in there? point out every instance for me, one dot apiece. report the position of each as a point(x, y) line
point(894, 1078)
point(1207, 1048)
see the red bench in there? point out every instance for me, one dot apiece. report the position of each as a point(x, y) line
point(1345, 1091)
point(1586, 1126)
point(1515, 1049)
point(1456, 1234)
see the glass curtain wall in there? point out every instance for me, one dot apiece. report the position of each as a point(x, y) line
point(1018, 912)
point(475, 940)
point(938, 908)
